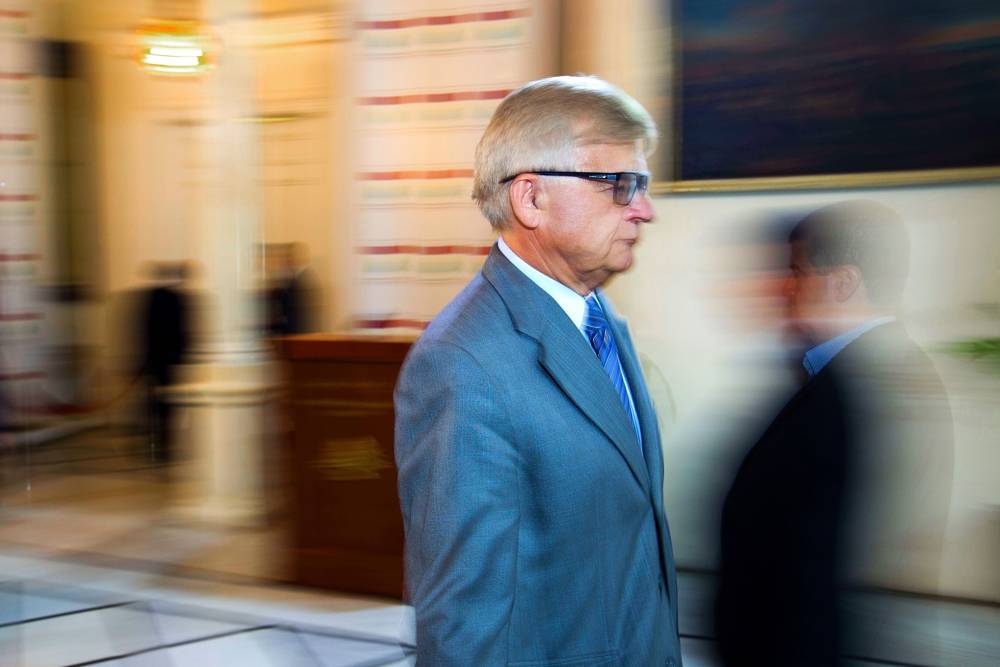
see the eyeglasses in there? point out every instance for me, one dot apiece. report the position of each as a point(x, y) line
point(626, 183)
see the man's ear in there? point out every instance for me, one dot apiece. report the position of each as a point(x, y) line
point(846, 281)
point(526, 199)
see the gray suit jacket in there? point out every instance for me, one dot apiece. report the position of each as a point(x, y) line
point(535, 531)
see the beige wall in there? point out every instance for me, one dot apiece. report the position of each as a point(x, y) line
point(722, 381)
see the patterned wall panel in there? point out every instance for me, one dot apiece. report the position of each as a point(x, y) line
point(21, 318)
point(432, 72)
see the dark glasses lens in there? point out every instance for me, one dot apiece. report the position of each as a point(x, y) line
point(627, 185)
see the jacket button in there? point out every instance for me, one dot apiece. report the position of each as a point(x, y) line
point(670, 662)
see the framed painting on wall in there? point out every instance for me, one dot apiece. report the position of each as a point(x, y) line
point(774, 94)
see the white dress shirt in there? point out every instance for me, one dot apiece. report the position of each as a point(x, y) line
point(574, 305)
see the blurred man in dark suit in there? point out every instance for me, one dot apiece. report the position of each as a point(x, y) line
point(851, 481)
point(164, 340)
point(293, 298)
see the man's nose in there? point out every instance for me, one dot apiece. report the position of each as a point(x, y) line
point(642, 204)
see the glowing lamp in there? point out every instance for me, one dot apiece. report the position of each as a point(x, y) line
point(175, 47)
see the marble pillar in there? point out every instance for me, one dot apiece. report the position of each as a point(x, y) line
point(223, 395)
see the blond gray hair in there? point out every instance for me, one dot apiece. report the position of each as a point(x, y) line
point(539, 126)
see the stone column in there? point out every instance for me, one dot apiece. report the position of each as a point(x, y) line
point(224, 392)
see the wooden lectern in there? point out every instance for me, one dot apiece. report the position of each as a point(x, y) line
point(348, 530)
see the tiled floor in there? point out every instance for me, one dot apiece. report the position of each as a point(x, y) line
point(99, 496)
point(135, 619)
point(95, 568)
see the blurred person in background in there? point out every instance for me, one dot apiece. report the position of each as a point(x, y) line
point(851, 481)
point(530, 467)
point(164, 337)
point(293, 296)
point(749, 264)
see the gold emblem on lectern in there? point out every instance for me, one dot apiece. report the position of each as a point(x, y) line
point(347, 459)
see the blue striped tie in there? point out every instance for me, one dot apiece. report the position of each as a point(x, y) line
point(596, 328)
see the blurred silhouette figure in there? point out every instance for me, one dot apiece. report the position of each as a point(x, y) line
point(164, 338)
point(749, 292)
point(292, 302)
point(851, 481)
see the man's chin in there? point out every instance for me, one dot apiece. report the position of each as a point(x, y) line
point(625, 261)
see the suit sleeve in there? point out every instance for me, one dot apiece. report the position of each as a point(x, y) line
point(458, 483)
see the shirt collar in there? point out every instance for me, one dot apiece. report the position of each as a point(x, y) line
point(818, 357)
point(574, 305)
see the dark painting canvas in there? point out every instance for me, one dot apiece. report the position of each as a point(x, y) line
point(771, 88)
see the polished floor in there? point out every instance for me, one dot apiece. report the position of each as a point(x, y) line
point(73, 615)
point(98, 569)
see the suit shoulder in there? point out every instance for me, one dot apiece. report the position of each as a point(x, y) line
point(474, 318)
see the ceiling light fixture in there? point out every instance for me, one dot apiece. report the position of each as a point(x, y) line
point(174, 47)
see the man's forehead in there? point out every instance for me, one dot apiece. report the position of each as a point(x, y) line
point(611, 156)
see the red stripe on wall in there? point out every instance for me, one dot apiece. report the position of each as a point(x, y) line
point(424, 250)
point(474, 17)
point(15, 76)
point(13, 14)
point(25, 257)
point(16, 137)
point(27, 375)
point(418, 98)
point(482, 250)
point(20, 317)
point(427, 174)
point(18, 198)
point(436, 250)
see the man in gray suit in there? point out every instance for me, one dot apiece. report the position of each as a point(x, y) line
point(530, 467)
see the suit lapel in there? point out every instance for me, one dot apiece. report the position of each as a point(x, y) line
point(652, 450)
point(567, 357)
point(576, 370)
point(640, 396)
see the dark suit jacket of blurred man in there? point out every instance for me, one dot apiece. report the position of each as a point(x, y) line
point(790, 538)
point(165, 334)
point(165, 337)
point(293, 304)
